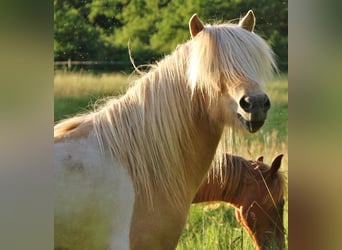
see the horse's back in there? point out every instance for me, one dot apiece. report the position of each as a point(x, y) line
point(94, 197)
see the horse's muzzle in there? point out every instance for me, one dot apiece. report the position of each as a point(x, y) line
point(254, 111)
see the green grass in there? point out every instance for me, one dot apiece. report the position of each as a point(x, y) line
point(77, 92)
point(213, 227)
point(206, 228)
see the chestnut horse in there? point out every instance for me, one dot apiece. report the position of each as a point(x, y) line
point(126, 174)
point(256, 190)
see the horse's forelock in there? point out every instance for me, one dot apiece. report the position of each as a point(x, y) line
point(231, 51)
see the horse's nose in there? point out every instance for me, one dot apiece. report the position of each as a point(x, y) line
point(249, 103)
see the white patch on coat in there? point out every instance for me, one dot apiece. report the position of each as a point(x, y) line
point(94, 198)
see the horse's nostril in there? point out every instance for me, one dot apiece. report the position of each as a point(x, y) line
point(246, 103)
point(267, 103)
point(251, 103)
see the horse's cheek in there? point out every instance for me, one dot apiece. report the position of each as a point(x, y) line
point(226, 110)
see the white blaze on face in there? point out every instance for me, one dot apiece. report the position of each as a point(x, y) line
point(94, 197)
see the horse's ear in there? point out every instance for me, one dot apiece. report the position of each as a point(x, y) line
point(248, 21)
point(276, 162)
point(260, 158)
point(195, 25)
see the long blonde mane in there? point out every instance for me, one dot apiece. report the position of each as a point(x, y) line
point(150, 129)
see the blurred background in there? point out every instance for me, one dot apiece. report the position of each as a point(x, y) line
point(94, 34)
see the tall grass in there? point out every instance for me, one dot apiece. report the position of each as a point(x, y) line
point(77, 92)
point(81, 84)
point(207, 227)
point(213, 227)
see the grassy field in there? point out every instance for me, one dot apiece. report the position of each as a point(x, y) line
point(207, 227)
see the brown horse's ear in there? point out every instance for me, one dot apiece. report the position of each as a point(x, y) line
point(260, 158)
point(195, 25)
point(248, 21)
point(276, 162)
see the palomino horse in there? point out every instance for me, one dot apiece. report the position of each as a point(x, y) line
point(127, 173)
point(256, 190)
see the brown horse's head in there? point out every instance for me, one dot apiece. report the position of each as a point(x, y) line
point(259, 207)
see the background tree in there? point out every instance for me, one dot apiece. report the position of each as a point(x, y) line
point(74, 37)
point(101, 29)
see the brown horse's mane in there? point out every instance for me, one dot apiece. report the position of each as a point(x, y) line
point(237, 172)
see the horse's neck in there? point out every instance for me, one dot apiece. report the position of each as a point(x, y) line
point(210, 190)
point(164, 218)
point(214, 189)
point(205, 145)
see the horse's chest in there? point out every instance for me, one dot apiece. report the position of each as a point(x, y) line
point(159, 228)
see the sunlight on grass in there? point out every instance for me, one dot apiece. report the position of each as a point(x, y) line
point(81, 84)
point(77, 92)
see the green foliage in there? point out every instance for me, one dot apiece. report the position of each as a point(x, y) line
point(100, 30)
point(74, 37)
